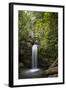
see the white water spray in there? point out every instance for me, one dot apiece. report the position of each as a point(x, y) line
point(34, 56)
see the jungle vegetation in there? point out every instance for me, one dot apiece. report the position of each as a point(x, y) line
point(45, 28)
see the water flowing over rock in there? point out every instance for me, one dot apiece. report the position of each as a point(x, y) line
point(34, 56)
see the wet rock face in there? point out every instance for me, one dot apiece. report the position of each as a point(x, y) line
point(25, 54)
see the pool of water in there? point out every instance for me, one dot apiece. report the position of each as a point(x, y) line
point(32, 73)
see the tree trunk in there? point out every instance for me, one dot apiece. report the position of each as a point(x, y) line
point(52, 71)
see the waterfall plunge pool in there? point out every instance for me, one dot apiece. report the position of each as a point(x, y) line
point(34, 72)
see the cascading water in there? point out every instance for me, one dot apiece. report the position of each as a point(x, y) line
point(34, 56)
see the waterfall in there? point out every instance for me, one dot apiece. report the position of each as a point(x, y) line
point(34, 56)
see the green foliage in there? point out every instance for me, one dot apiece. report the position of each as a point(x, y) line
point(45, 28)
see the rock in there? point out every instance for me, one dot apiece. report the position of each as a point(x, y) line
point(54, 75)
point(29, 44)
point(27, 63)
point(21, 65)
point(42, 63)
